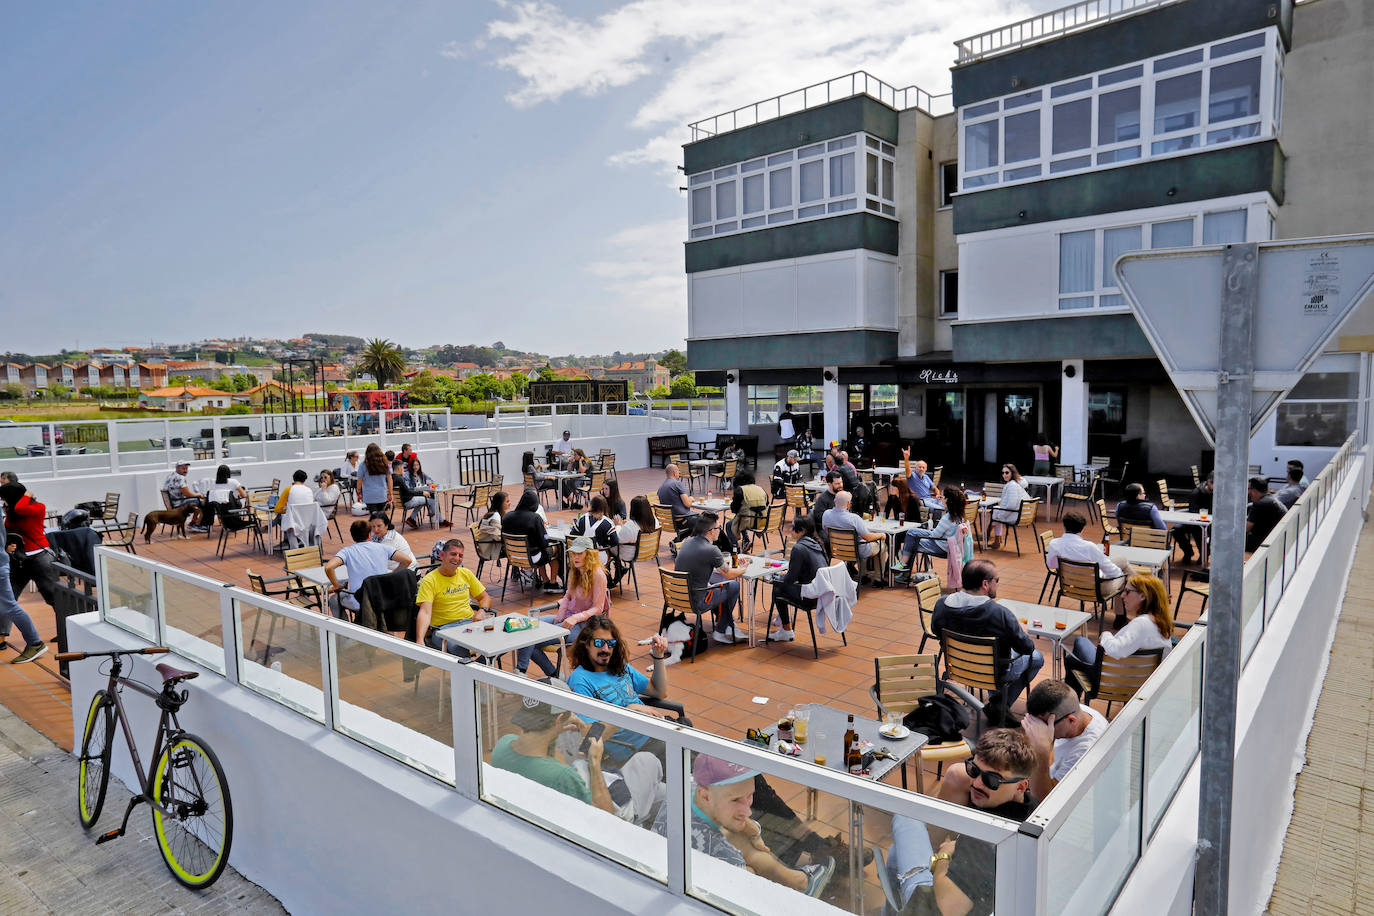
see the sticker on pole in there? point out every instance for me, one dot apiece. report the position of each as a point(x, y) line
point(1307, 289)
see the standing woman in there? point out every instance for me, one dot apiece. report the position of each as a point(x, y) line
point(1044, 453)
point(1008, 508)
point(374, 480)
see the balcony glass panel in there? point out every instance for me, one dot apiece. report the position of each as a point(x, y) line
point(1072, 126)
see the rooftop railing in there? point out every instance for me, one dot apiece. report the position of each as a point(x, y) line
point(832, 90)
point(1049, 25)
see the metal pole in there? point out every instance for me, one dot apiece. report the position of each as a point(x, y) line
point(1239, 297)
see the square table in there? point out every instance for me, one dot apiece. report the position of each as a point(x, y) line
point(1051, 484)
point(474, 636)
point(816, 486)
point(761, 569)
point(1048, 615)
point(712, 505)
point(562, 477)
point(316, 575)
point(891, 530)
point(1153, 557)
point(1172, 519)
point(887, 472)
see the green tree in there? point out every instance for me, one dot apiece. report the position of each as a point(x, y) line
point(547, 374)
point(383, 360)
point(423, 388)
point(481, 387)
point(661, 393)
point(12, 391)
point(223, 383)
point(59, 392)
point(684, 386)
point(674, 361)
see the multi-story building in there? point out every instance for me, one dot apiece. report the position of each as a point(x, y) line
point(642, 374)
point(966, 258)
point(34, 378)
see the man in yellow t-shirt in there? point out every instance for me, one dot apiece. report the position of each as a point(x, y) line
point(447, 594)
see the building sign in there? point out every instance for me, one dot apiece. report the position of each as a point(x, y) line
point(938, 377)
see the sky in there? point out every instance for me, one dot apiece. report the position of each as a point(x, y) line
point(428, 172)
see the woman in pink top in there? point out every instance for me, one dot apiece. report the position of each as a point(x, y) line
point(586, 597)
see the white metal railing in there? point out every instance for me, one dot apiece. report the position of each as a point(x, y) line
point(832, 90)
point(1049, 25)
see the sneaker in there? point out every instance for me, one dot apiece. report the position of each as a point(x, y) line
point(784, 636)
point(198, 529)
point(818, 876)
point(899, 566)
point(672, 548)
point(551, 588)
point(30, 653)
point(723, 638)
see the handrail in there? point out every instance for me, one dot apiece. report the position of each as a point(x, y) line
point(1035, 29)
point(860, 82)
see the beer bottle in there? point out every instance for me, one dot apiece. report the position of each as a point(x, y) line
point(853, 757)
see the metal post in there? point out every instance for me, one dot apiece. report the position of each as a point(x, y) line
point(1239, 297)
point(112, 435)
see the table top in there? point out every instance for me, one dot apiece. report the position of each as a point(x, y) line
point(763, 567)
point(1048, 615)
point(831, 722)
point(887, 526)
point(815, 486)
point(558, 532)
point(705, 462)
point(1140, 556)
point(473, 635)
point(1185, 518)
point(562, 475)
point(714, 505)
point(316, 575)
point(887, 472)
point(1042, 481)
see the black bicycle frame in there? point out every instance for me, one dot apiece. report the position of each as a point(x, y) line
point(145, 780)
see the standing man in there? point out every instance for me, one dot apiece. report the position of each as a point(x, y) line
point(786, 471)
point(11, 614)
point(179, 493)
point(673, 494)
point(787, 425)
point(30, 560)
point(705, 567)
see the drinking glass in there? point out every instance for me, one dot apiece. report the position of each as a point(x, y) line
point(892, 718)
point(818, 749)
point(801, 722)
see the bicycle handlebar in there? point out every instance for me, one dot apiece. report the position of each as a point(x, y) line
point(78, 656)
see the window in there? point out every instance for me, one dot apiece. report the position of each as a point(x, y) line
point(1320, 411)
point(1076, 250)
point(1228, 92)
point(1227, 227)
point(763, 403)
point(1107, 411)
point(949, 182)
point(1116, 242)
point(1176, 233)
point(842, 175)
point(949, 293)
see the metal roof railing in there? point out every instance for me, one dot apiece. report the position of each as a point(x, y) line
point(841, 87)
point(1050, 25)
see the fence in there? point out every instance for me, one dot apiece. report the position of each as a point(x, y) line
point(1049, 25)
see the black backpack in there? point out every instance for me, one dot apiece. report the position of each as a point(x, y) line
point(939, 718)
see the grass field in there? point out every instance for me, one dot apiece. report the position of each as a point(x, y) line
point(77, 411)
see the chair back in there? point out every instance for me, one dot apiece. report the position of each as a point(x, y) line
point(927, 596)
point(1066, 472)
point(677, 594)
point(1045, 538)
point(607, 461)
point(1164, 498)
point(302, 558)
point(730, 470)
point(664, 516)
point(972, 660)
point(844, 544)
point(1100, 460)
point(1120, 678)
point(684, 468)
point(1078, 580)
point(866, 475)
point(256, 582)
point(111, 508)
point(1197, 481)
point(773, 521)
point(529, 481)
point(1145, 536)
point(486, 550)
point(517, 550)
point(992, 490)
point(166, 499)
point(935, 477)
point(796, 496)
point(899, 681)
point(481, 495)
point(598, 480)
point(647, 544)
point(1107, 525)
point(1028, 509)
point(125, 532)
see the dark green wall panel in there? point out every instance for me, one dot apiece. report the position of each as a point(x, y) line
point(791, 131)
point(1077, 337)
point(795, 240)
point(793, 351)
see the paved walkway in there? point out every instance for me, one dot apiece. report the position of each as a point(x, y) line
point(1328, 854)
point(48, 864)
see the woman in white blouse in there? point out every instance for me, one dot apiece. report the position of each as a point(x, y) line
point(1151, 626)
point(1008, 508)
point(328, 493)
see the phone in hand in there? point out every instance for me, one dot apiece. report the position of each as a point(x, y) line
point(593, 734)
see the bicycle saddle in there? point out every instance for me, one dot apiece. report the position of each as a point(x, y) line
point(172, 675)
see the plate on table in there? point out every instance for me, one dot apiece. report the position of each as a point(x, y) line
point(895, 732)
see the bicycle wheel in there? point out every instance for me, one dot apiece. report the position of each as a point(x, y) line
point(194, 838)
point(93, 771)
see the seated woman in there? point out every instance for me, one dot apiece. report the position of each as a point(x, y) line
point(578, 463)
point(222, 495)
point(899, 500)
point(488, 536)
point(1151, 627)
point(421, 491)
point(807, 559)
point(933, 541)
point(615, 503)
point(586, 597)
point(351, 466)
point(527, 466)
point(1008, 508)
point(524, 521)
point(641, 519)
point(328, 494)
point(748, 501)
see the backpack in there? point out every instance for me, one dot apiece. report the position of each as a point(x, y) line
point(938, 717)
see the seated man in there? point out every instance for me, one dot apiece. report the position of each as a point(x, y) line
point(825, 500)
point(974, 611)
point(602, 670)
point(446, 597)
point(962, 875)
point(179, 493)
point(1073, 546)
point(787, 471)
point(921, 484)
point(705, 566)
point(1264, 514)
point(1060, 731)
point(633, 792)
point(1189, 537)
point(1292, 490)
point(871, 543)
point(364, 558)
point(1135, 509)
point(563, 448)
point(298, 494)
point(673, 494)
point(722, 802)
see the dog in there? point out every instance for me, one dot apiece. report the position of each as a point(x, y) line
point(174, 517)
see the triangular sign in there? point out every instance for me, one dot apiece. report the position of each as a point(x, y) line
point(1307, 288)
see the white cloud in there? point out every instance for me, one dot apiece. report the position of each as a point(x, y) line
point(452, 50)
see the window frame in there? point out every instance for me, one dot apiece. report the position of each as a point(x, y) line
point(949, 183)
point(944, 276)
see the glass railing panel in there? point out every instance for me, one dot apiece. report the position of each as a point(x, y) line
point(194, 625)
point(82, 447)
point(1252, 603)
point(1095, 848)
point(279, 657)
point(539, 763)
point(141, 443)
point(129, 601)
point(397, 705)
point(1174, 731)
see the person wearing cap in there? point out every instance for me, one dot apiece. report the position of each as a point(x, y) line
point(722, 826)
point(633, 792)
point(179, 493)
point(786, 471)
point(587, 596)
point(563, 447)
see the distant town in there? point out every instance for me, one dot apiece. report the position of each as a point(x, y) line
point(250, 375)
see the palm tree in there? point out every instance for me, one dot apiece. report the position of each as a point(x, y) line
point(384, 360)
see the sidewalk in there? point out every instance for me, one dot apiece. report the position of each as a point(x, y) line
point(1328, 854)
point(48, 864)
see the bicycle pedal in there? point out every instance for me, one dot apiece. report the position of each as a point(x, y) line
point(112, 835)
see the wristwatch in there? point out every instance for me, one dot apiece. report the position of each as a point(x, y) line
point(938, 857)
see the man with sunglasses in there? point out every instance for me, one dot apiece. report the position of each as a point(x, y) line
point(1060, 731)
point(961, 875)
point(601, 670)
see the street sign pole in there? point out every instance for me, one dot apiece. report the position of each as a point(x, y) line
point(1239, 298)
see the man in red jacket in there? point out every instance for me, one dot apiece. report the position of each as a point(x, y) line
point(30, 557)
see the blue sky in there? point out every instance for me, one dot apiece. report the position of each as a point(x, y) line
point(429, 172)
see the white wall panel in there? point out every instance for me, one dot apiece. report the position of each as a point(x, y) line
point(826, 292)
point(769, 296)
point(880, 291)
point(716, 305)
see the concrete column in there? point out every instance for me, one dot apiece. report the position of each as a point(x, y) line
point(834, 406)
point(736, 404)
point(1073, 413)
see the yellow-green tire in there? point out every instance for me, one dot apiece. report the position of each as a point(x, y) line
point(194, 839)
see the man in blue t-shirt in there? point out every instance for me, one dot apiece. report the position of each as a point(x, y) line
point(601, 670)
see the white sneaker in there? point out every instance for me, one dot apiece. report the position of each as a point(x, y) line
point(783, 636)
point(724, 638)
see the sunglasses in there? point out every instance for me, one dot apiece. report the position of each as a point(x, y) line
point(605, 643)
point(990, 779)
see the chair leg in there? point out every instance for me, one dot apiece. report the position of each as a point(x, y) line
point(634, 578)
point(811, 622)
point(1016, 538)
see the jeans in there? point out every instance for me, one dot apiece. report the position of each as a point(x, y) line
point(918, 540)
point(910, 852)
point(722, 597)
point(11, 614)
point(523, 656)
point(1020, 672)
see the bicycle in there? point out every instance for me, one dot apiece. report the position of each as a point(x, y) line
point(184, 785)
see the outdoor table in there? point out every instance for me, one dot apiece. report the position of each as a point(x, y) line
point(1051, 484)
point(316, 575)
point(761, 569)
point(892, 531)
point(706, 463)
point(1090, 471)
point(1048, 615)
point(832, 723)
point(889, 473)
point(1153, 557)
point(816, 486)
point(1172, 519)
point(562, 477)
point(712, 505)
point(474, 636)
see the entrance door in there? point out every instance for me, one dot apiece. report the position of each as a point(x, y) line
point(945, 421)
point(1017, 422)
